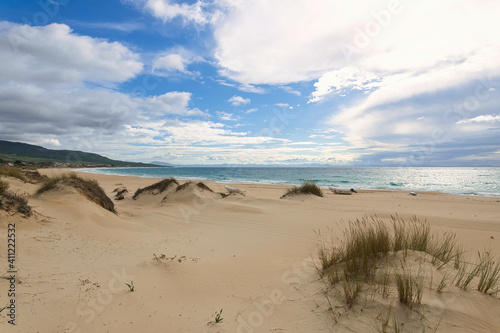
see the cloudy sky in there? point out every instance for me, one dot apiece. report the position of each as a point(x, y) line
point(351, 83)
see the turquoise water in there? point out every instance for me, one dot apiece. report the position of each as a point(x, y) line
point(470, 181)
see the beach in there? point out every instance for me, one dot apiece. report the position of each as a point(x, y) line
point(190, 255)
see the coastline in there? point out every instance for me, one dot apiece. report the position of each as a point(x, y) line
point(251, 256)
point(344, 184)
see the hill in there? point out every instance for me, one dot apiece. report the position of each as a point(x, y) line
point(31, 154)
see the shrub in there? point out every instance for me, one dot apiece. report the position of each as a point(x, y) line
point(308, 187)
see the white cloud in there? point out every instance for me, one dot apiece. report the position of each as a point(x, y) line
point(481, 119)
point(171, 62)
point(251, 110)
point(54, 54)
point(51, 142)
point(225, 116)
point(168, 10)
point(238, 100)
point(171, 103)
point(347, 78)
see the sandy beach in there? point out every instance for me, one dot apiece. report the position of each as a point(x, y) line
point(194, 254)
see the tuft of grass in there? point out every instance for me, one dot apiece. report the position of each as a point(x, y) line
point(4, 186)
point(16, 202)
point(130, 286)
point(445, 250)
point(218, 318)
point(488, 274)
point(27, 176)
point(409, 288)
point(444, 282)
point(156, 188)
point(13, 172)
point(351, 290)
point(88, 187)
point(308, 187)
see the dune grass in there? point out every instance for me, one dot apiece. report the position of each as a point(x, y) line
point(156, 188)
point(370, 249)
point(88, 187)
point(27, 176)
point(12, 201)
point(4, 186)
point(308, 187)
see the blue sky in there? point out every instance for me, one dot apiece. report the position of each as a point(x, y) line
point(288, 82)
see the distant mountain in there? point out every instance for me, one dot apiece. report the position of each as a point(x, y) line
point(10, 151)
point(161, 164)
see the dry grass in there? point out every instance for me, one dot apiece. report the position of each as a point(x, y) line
point(366, 254)
point(88, 187)
point(27, 176)
point(14, 202)
point(156, 188)
point(308, 187)
point(4, 186)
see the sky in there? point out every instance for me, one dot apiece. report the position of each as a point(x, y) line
point(255, 82)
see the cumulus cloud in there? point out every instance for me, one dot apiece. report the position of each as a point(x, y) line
point(54, 54)
point(46, 95)
point(171, 62)
point(238, 100)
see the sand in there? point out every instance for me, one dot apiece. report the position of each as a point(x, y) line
point(252, 256)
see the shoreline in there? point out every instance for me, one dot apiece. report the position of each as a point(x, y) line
point(324, 187)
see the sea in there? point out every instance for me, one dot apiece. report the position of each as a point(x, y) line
point(467, 181)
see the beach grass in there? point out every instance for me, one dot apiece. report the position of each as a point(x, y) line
point(155, 188)
point(373, 255)
point(308, 187)
point(90, 188)
point(27, 176)
point(4, 186)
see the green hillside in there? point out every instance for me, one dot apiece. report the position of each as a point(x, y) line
point(12, 151)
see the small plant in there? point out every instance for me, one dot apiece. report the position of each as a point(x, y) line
point(218, 318)
point(409, 289)
point(4, 186)
point(308, 187)
point(444, 282)
point(488, 273)
point(130, 286)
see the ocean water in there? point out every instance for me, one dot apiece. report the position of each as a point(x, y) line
point(468, 181)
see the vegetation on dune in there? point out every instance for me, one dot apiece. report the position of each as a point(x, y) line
point(88, 187)
point(308, 187)
point(27, 176)
point(156, 188)
point(4, 186)
point(11, 201)
point(200, 185)
point(375, 257)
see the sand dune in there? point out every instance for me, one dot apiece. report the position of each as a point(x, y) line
point(191, 253)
